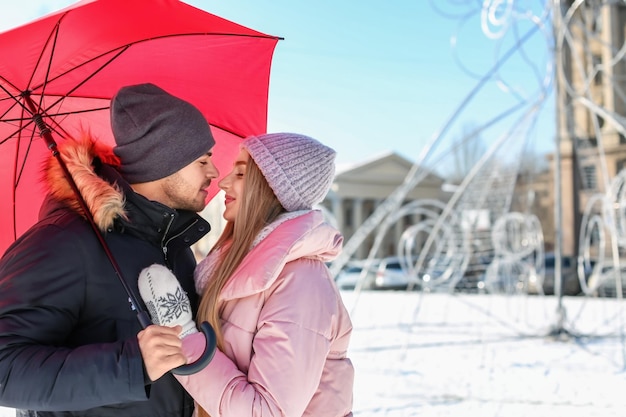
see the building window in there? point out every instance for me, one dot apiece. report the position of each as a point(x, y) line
point(589, 180)
point(586, 143)
point(597, 68)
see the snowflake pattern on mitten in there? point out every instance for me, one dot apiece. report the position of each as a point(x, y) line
point(167, 302)
point(174, 305)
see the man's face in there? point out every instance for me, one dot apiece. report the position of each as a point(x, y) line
point(186, 189)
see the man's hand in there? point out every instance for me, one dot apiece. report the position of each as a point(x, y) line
point(161, 349)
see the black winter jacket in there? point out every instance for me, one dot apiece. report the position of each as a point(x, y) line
point(68, 343)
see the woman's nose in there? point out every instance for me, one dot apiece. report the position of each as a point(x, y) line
point(223, 183)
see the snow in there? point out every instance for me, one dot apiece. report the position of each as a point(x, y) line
point(485, 355)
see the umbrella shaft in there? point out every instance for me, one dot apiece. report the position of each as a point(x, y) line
point(45, 132)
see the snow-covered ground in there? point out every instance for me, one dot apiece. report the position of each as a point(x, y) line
point(481, 355)
point(485, 355)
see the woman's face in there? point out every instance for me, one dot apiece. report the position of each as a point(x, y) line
point(233, 184)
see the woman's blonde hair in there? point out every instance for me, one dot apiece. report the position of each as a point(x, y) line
point(259, 207)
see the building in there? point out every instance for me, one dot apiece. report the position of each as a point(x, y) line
point(359, 189)
point(591, 106)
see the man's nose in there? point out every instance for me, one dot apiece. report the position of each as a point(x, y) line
point(212, 171)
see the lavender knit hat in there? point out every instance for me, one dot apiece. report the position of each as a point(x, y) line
point(298, 168)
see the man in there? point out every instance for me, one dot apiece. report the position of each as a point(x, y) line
point(68, 337)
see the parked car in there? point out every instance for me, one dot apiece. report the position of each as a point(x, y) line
point(605, 282)
point(570, 285)
point(391, 276)
point(349, 276)
point(383, 274)
point(507, 276)
point(473, 279)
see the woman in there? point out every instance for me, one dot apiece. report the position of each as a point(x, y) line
point(281, 326)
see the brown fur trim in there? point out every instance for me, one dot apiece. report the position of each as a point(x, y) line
point(104, 200)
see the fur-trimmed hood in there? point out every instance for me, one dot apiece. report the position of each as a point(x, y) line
point(111, 200)
point(82, 156)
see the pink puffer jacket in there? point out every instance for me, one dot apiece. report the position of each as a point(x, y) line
point(285, 326)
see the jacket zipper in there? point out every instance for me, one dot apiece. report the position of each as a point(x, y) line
point(164, 243)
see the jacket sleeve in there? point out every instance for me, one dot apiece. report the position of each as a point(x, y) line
point(42, 289)
point(289, 352)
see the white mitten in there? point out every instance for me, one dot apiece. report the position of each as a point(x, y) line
point(166, 300)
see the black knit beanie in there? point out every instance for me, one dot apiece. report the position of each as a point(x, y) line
point(156, 133)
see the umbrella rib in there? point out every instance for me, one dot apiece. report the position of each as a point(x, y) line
point(19, 129)
point(57, 124)
point(18, 171)
point(54, 44)
point(65, 113)
point(16, 101)
point(21, 170)
point(61, 98)
point(15, 98)
point(53, 36)
point(7, 91)
point(120, 50)
point(54, 33)
point(124, 48)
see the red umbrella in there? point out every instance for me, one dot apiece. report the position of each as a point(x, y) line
point(58, 74)
point(66, 66)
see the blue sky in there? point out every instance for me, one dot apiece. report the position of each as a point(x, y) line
point(368, 77)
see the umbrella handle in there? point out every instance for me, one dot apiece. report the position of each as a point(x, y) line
point(207, 355)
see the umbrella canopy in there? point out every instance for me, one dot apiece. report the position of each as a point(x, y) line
point(66, 67)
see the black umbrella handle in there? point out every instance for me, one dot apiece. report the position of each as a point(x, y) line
point(207, 355)
point(203, 360)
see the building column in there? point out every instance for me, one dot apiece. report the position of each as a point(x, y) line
point(357, 221)
point(337, 211)
point(398, 228)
